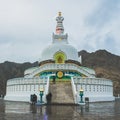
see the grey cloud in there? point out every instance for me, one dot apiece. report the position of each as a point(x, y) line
point(104, 13)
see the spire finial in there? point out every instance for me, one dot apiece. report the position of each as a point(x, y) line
point(59, 34)
point(59, 27)
point(59, 13)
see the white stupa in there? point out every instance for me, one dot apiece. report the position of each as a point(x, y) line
point(60, 59)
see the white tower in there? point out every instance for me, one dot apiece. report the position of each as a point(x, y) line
point(59, 35)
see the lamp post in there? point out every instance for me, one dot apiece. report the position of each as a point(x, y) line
point(81, 95)
point(41, 94)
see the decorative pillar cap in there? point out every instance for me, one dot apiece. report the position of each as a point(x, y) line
point(59, 13)
point(41, 89)
point(81, 89)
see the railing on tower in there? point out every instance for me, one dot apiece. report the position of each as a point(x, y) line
point(46, 89)
point(66, 66)
point(74, 90)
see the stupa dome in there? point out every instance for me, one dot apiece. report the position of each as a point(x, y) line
point(69, 51)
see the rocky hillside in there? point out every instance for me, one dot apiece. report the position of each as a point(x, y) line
point(105, 64)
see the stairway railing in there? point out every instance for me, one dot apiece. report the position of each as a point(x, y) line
point(74, 90)
point(46, 89)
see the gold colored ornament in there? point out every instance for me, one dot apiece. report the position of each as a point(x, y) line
point(60, 74)
point(60, 39)
point(59, 13)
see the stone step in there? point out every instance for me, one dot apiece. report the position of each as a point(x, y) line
point(61, 92)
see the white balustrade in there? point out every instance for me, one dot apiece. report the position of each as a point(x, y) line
point(22, 88)
point(67, 66)
point(97, 81)
point(26, 81)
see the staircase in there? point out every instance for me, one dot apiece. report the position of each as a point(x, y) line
point(61, 92)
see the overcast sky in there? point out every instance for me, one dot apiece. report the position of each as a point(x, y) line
point(26, 26)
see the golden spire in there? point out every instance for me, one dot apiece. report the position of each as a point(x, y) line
point(59, 13)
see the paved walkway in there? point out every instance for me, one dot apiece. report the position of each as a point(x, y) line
point(61, 92)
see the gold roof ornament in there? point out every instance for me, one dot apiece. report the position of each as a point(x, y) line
point(81, 89)
point(59, 13)
point(41, 89)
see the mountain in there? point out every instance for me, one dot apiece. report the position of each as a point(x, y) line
point(100, 58)
point(105, 64)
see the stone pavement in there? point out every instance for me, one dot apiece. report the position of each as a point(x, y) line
point(61, 92)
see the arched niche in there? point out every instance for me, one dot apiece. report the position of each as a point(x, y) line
point(60, 57)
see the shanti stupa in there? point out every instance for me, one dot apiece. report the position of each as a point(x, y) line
point(60, 60)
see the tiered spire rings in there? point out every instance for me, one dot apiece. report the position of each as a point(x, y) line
point(59, 27)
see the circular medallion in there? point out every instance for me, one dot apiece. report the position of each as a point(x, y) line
point(60, 74)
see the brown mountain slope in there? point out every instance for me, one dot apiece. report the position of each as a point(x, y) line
point(100, 58)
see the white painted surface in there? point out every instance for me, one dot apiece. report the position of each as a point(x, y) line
point(20, 89)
